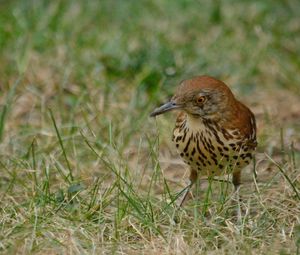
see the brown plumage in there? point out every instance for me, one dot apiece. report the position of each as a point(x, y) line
point(215, 134)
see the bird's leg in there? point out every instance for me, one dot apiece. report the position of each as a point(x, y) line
point(236, 180)
point(192, 180)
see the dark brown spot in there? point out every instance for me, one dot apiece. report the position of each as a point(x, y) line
point(193, 151)
point(217, 136)
point(184, 136)
point(201, 160)
point(199, 150)
point(188, 143)
point(213, 154)
point(249, 155)
point(215, 160)
point(178, 139)
point(204, 143)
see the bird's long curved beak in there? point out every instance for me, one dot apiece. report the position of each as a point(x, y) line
point(165, 108)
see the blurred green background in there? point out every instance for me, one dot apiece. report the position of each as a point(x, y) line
point(67, 54)
point(79, 77)
point(256, 43)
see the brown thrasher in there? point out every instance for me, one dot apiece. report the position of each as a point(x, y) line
point(215, 134)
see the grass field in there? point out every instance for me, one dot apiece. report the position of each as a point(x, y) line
point(84, 170)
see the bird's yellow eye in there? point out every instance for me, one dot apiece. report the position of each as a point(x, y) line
point(200, 99)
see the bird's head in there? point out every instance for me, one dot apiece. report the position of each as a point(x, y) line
point(202, 96)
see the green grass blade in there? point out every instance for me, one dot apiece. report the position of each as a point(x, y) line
point(62, 146)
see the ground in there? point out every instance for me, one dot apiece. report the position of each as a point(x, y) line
point(85, 170)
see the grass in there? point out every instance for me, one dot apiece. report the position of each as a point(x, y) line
point(84, 170)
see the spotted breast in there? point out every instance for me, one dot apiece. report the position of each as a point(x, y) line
point(209, 148)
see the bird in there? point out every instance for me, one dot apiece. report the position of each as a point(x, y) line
point(215, 133)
